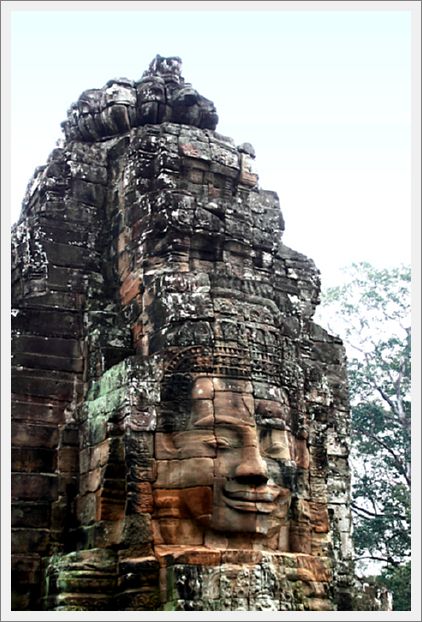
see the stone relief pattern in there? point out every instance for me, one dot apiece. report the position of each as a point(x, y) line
point(180, 425)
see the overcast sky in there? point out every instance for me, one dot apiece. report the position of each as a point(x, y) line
point(323, 95)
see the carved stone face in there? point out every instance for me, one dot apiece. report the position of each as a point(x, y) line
point(229, 472)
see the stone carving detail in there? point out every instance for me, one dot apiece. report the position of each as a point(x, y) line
point(180, 424)
point(160, 96)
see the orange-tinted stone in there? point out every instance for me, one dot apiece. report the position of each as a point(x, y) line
point(184, 473)
point(301, 454)
point(142, 500)
point(319, 517)
point(129, 288)
point(241, 556)
point(111, 509)
point(180, 531)
point(200, 555)
point(168, 504)
point(300, 538)
point(199, 500)
point(311, 568)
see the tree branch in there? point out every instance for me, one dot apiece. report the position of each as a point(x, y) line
point(387, 560)
point(400, 467)
point(387, 399)
point(358, 509)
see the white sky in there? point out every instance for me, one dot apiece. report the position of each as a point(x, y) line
point(323, 95)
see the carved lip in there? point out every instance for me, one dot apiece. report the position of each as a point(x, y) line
point(251, 500)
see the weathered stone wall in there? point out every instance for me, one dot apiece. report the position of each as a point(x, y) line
point(153, 297)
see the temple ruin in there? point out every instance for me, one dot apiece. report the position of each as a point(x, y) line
point(180, 429)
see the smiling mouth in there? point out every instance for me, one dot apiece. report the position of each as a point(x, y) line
point(251, 500)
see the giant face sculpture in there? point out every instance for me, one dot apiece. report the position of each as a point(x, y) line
point(225, 465)
point(174, 402)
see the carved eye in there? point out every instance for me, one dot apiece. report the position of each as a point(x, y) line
point(220, 443)
point(211, 443)
point(223, 443)
point(276, 450)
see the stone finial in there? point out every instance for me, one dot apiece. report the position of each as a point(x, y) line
point(160, 96)
point(248, 149)
point(165, 66)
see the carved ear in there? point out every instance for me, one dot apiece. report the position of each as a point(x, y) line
point(165, 449)
point(171, 447)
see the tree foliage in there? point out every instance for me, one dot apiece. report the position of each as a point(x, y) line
point(397, 580)
point(371, 313)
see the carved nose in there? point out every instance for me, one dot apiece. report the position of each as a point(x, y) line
point(252, 470)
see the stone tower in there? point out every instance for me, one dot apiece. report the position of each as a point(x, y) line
point(180, 424)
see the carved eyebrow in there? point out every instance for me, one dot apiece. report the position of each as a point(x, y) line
point(204, 422)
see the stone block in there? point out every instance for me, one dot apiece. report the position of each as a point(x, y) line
point(137, 530)
point(33, 460)
point(203, 390)
point(54, 346)
point(48, 322)
point(319, 517)
point(32, 486)
point(311, 568)
point(102, 534)
point(45, 437)
point(184, 473)
point(68, 459)
point(87, 508)
point(46, 361)
point(300, 538)
point(129, 288)
point(180, 446)
point(139, 498)
point(33, 514)
point(91, 481)
point(135, 600)
point(88, 192)
point(180, 531)
point(321, 544)
point(26, 541)
point(302, 458)
point(169, 503)
point(318, 604)
point(45, 384)
point(70, 435)
point(36, 410)
point(172, 558)
point(26, 569)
